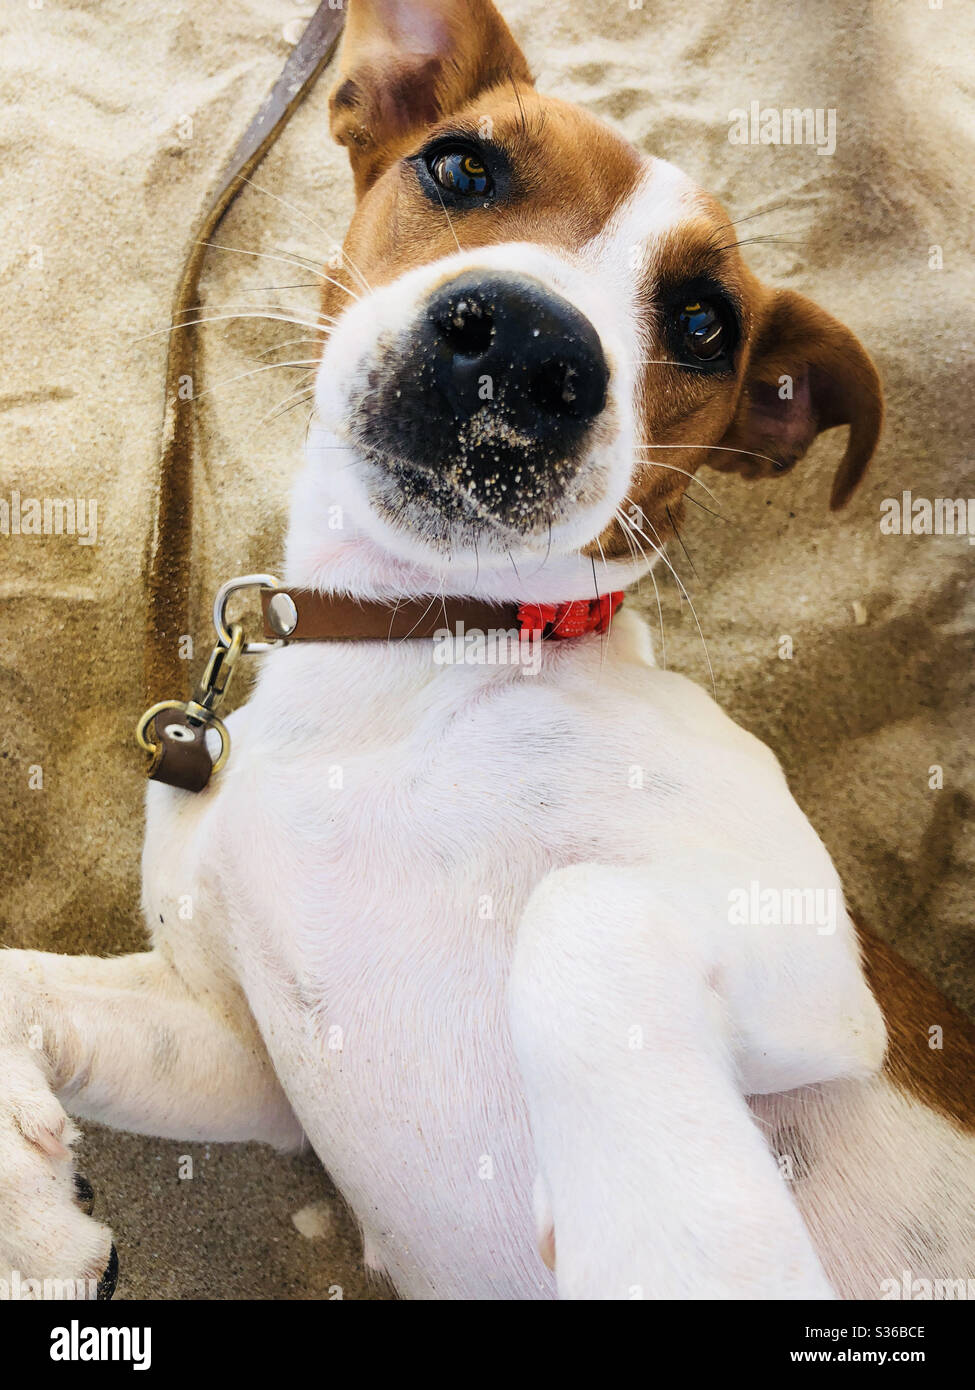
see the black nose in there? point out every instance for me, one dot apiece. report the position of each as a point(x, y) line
point(485, 404)
point(507, 338)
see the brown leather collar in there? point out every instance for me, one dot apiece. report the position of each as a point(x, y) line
point(174, 732)
point(307, 615)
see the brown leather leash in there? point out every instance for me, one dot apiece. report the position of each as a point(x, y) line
point(174, 731)
point(169, 550)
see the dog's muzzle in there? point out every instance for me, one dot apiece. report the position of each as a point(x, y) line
point(489, 398)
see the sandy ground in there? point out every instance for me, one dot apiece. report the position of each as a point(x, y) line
point(115, 121)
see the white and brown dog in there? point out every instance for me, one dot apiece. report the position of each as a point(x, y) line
point(465, 925)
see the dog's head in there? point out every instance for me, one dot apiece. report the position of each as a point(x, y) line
point(551, 330)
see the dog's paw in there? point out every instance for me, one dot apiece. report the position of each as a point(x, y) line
point(46, 1232)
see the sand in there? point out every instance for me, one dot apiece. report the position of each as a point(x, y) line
point(116, 121)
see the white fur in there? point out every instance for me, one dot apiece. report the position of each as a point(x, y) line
point(602, 282)
point(663, 198)
point(467, 930)
point(884, 1184)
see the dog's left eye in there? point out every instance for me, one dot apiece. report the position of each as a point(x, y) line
point(704, 330)
point(461, 172)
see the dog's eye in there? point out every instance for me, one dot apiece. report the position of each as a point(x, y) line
point(461, 172)
point(705, 330)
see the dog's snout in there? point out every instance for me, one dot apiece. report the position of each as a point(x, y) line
point(485, 406)
point(510, 339)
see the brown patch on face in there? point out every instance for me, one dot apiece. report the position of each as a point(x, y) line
point(683, 411)
point(415, 70)
point(796, 372)
point(404, 63)
point(556, 177)
point(943, 1079)
point(568, 174)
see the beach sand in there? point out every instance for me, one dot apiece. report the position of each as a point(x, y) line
point(116, 122)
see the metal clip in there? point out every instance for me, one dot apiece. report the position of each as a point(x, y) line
point(209, 694)
point(244, 581)
point(216, 678)
point(200, 711)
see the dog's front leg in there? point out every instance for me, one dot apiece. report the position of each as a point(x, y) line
point(654, 1179)
point(124, 1042)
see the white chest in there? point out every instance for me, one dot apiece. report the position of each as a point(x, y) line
point(379, 845)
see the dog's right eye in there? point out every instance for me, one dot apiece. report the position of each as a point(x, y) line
point(704, 330)
point(704, 327)
point(460, 172)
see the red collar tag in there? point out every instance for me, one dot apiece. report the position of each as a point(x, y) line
point(575, 619)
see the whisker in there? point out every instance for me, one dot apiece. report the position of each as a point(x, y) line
point(282, 408)
point(220, 318)
point(548, 552)
point(749, 217)
point(302, 390)
point(287, 260)
point(311, 416)
point(256, 289)
point(680, 538)
point(420, 619)
point(305, 262)
point(717, 515)
point(520, 104)
point(242, 376)
point(595, 590)
point(763, 241)
point(246, 304)
point(447, 215)
point(720, 448)
point(672, 467)
point(300, 213)
point(353, 267)
point(288, 342)
point(632, 534)
point(660, 615)
point(683, 589)
point(635, 555)
point(665, 362)
point(602, 556)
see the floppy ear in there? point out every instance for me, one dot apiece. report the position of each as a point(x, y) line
point(407, 63)
point(807, 373)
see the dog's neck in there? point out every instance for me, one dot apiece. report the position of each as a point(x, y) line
point(329, 550)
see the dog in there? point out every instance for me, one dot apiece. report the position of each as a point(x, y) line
point(464, 925)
